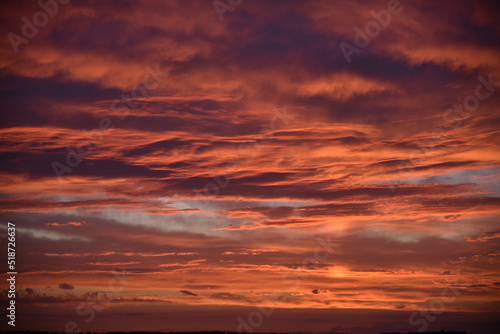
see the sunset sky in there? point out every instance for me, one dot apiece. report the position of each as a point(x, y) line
point(321, 165)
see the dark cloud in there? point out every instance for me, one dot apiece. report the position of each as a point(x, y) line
point(66, 286)
point(189, 293)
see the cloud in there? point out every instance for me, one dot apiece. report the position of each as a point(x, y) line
point(484, 237)
point(189, 293)
point(66, 286)
point(65, 224)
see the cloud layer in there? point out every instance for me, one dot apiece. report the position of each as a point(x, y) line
point(215, 162)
